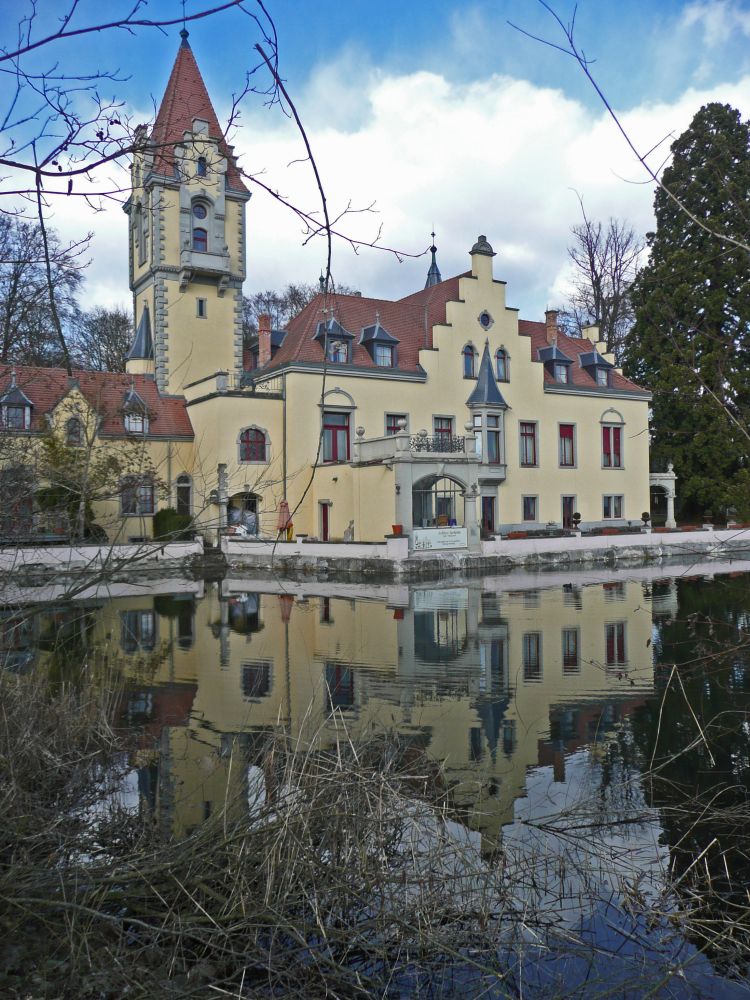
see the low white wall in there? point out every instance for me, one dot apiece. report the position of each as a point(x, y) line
point(520, 547)
point(238, 548)
point(65, 557)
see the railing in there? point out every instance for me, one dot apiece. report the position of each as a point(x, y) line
point(232, 382)
point(442, 443)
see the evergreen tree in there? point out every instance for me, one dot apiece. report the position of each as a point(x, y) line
point(691, 340)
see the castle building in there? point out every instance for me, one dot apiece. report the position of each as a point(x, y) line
point(438, 414)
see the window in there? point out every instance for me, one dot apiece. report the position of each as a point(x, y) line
point(529, 508)
point(468, 361)
point(485, 320)
point(73, 433)
point(253, 445)
point(201, 308)
point(183, 495)
point(200, 168)
point(611, 446)
point(612, 506)
point(384, 355)
point(532, 656)
point(443, 428)
point(614, 641)
point(16, 418)
point(570, 655)
point(137, 631)
point(502, 362)
point(567, 446)
point(340, 686)
point(338, 351)
point(256, 679)
point(137, 497)
point(136, 422)
point(477, 422)
point(561, 372)
point(335, 436)
point(200, 240)
point(602, 376)
point(494, 454)
point(528, 443)
point(200, 211)
point(392, 421)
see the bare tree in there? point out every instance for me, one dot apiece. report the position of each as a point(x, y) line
point(101, 339)
point(605, 258)
point(281, 305)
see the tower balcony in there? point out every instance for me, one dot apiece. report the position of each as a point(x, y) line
point(206, 264)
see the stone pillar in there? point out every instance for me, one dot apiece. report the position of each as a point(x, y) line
point(471, 520)
point(670, 522)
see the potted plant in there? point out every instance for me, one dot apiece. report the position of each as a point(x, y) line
point(397, 529)
point(576, 519)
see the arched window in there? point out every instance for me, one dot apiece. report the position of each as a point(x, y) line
point(74, 433)
point(468, 361)
point(200, 239)
point(253, 445)
point(502, 362)
point(183, 495)
point(200, 233)
point(200, 169)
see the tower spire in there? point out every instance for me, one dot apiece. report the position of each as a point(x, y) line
point(433, 275)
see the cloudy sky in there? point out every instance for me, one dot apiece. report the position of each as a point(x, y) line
point(439, 114)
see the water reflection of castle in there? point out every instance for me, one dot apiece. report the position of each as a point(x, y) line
point(489, 681)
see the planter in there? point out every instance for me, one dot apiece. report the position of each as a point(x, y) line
point(398, 614)
point(397, 529)
point(518, 534)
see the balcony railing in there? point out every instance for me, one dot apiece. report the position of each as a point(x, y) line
point(443, 443)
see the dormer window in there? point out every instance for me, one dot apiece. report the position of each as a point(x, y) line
point(384, 355)
point(561, 372)
point(338, 351)
point(602, 376)
point(136, 423)
point(135, 416)
point(335, 341)
point(597, 367)
point(380, 344)
point(15, 408)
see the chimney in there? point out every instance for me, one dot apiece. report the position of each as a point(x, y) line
point(550, 322)
point(264, 340)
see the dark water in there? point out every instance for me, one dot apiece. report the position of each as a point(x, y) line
point(595, 728)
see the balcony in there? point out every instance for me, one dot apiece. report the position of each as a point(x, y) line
point(441, 444)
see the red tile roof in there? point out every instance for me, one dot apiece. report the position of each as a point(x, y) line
point(184, 99)
point(572, 347)
point(105, 392)
point(410, 320)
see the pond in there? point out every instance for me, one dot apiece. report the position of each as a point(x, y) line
point(585, 737)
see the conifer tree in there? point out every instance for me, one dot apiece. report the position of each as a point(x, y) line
point(691, 340)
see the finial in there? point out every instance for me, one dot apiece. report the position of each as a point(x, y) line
point(13, 378)
point(322, 283)
point(184, 34)
point(433, 275)
point(377, 318)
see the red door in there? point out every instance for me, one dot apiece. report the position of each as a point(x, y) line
point(324, 521)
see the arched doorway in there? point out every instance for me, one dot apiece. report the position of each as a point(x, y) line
point(437, 501)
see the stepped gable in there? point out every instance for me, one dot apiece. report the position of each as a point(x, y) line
point(105, 392)
point(572, 347)
point(185, 99)
point(409, 320)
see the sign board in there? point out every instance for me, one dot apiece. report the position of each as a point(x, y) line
point(449, 599)
point(428, 539)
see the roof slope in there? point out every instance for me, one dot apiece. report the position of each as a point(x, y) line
point(184, 99)
point(409, 320)
point(572, 347)
point(105, 392)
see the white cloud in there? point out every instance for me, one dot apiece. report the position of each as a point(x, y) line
point(719, 20)
point(499, 156)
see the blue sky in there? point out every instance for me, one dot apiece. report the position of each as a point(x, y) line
point(441, 114)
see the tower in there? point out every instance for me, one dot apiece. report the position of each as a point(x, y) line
point(186, 238)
